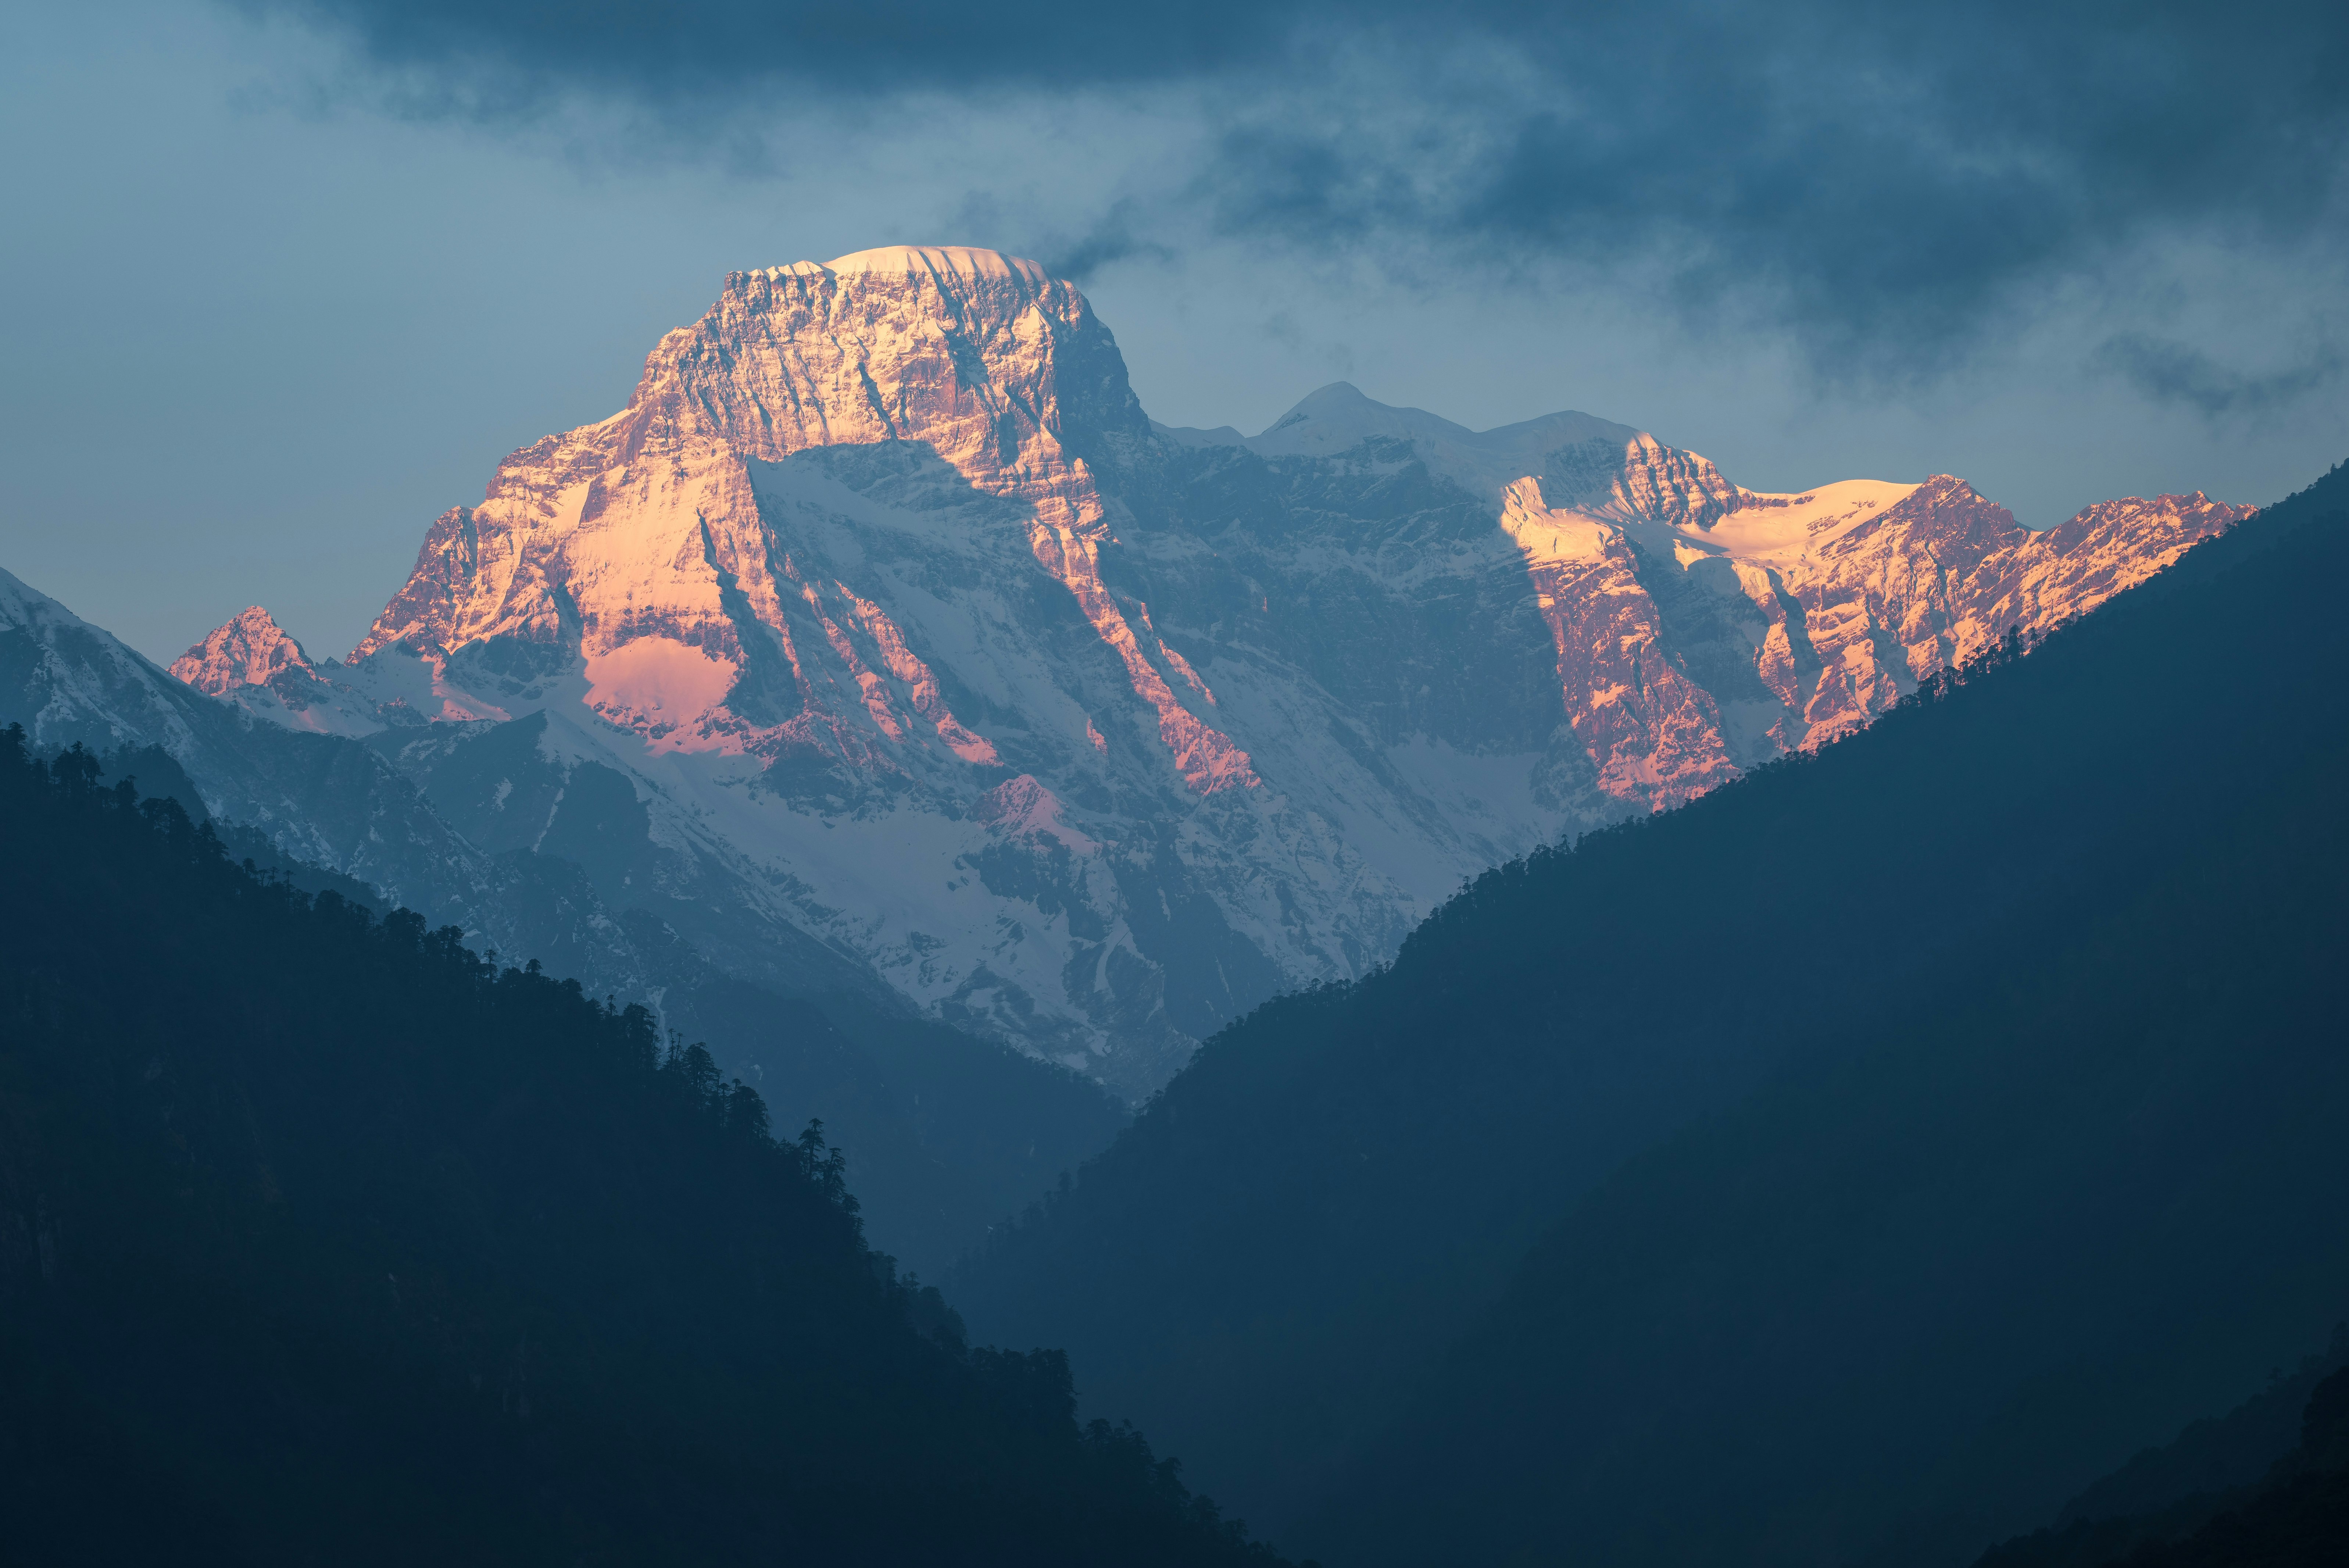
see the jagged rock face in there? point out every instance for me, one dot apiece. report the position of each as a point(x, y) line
point(917, 645)
point(1691, 650)
point(647, 532)
point(251, 650)
point(251, 660)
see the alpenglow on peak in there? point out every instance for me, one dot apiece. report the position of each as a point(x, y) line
point(920, 647)
point(252, 649)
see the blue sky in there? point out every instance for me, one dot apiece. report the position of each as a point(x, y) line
point(285, 282)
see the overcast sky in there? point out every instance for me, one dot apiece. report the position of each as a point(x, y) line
point(283, 281)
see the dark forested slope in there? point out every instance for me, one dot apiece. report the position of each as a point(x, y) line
point(2296, 1426)
point(1268, 1267)
point(2295, 1517)
point(943, 1132)
point(322, 1241)
point(2087, 1173)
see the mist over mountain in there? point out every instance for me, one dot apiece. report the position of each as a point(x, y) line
point(1847, 1166)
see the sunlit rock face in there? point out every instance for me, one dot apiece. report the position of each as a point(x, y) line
point(251, 650)
point(886, 628)
point(253, 662)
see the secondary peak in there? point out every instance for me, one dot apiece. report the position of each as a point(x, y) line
point(248, 651)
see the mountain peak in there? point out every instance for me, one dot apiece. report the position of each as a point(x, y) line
point(250, 649)
point(1340, 416)
point(643, 545)
point(1341, 412)
point(972, 351)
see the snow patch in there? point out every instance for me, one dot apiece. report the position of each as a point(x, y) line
point(1783, 529)
point(1551, 536)
point(400, 677)
point(963, 264)
point(659, 686)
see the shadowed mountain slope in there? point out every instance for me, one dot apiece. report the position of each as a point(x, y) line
point(321, 1240)
point(2022, 992)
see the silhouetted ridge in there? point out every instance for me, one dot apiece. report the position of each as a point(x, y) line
point(2291, 1511)
point(323, 1239)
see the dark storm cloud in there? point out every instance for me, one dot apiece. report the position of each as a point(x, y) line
point(2171, 372)
point(1882, 181)
point(680, 48)
point(1112, 237)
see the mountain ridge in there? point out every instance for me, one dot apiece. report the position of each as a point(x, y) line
point(877, 541)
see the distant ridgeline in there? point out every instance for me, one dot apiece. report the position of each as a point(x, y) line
point(322, 1240)
point(1846, 1167)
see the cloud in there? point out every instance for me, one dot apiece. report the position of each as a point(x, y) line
point(683, 50)
point(2169, 371)
point(1111, 237)
point(1888, 186)
point(1884, 184)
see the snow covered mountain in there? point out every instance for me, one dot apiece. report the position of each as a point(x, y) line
point(881, 632)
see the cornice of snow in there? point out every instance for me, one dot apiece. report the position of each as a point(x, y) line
point(963, 264)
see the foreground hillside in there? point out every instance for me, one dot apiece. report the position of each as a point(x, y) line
point(2267, 1483)
point(322, 1240)
point(1856, 1161)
